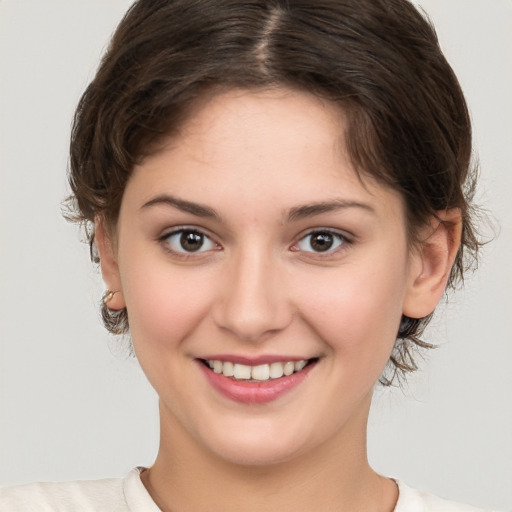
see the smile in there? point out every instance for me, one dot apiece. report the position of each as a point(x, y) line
point(257, 373)
point(258, 383)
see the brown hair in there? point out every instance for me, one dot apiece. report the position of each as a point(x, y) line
point(408, 123)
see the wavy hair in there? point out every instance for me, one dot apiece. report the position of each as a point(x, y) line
point(379, 60)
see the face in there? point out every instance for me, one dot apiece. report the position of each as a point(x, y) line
point(264, 282)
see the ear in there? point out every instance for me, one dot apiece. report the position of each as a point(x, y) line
point(432, 262)
point(108, 261)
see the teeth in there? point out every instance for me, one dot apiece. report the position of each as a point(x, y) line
point(299, 365)
point(289, 368)
point(228, 369)
point(217, 366)
point(241, 371)
point(260, 372)
point(276, 370)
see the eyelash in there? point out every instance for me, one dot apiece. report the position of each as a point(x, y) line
point(179, 233)
point(338, 238)
point(340, 241)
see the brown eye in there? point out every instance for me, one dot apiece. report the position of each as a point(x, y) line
point(320, 241)
point(188, 241)
point(191, 241)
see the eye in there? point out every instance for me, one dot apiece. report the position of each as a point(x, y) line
point(189, 241)
point(321, 241)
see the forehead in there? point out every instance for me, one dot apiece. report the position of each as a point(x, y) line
point(261, 115)
point(282, 144)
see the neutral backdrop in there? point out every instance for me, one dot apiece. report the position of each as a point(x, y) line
point(73, 406)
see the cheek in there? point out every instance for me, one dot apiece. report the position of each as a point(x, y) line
point(164, 303)
point(357, 309)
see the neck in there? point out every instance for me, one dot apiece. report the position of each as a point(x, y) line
point(336, 476)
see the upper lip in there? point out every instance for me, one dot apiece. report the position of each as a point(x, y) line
point(254, 360)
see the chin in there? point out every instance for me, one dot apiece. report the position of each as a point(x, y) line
point(256, 456)
point(258, 445)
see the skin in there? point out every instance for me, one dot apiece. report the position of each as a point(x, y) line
point(258, 287)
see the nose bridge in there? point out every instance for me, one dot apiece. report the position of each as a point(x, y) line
point(254, 301)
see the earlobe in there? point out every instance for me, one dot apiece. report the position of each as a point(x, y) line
point(108, 263)
point(433, 261)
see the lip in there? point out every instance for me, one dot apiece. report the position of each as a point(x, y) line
point(254, 392)
point(253, 361)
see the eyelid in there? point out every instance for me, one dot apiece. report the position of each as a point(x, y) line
point(166, 232)
point(347, 235)
point(346, 240)
point(176, 230)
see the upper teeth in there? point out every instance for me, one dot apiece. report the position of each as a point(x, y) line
point(259, 372)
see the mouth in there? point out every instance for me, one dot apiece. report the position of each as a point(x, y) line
point(265, 380)
point(257, 373)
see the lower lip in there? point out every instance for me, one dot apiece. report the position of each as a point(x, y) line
point(255, 392)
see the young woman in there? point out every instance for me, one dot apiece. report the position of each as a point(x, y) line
point(278, 194)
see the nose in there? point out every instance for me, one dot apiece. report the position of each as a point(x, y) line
point(253, 304)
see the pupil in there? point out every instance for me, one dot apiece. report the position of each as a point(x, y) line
point(191, 241)
point(322, 242)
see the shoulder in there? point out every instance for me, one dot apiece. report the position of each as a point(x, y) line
point(110, 495)
point(79, 496)
point(411, 500)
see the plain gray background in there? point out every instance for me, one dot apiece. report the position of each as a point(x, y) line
point(73, 406)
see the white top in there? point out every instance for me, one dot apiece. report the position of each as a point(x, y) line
point(130, 495)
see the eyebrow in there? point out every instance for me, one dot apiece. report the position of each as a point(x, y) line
point(186, 206)
point(310, 210)
point(294, 214)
